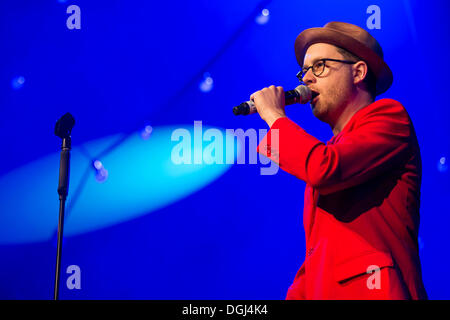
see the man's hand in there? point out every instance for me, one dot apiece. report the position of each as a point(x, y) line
point(270, 103)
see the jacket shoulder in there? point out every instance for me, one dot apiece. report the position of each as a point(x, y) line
point(385, 111)
point(384, 107)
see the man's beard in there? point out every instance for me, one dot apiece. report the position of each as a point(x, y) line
point(320, 109)
point(329, 103)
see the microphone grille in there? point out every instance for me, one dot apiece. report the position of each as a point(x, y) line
point(304, 92)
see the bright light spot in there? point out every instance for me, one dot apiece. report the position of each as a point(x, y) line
point(101, 174)
point(17, 82)
point(146, 132)
point(263, 17)
point(442, 164)
point(206, 84)
point(98, 164)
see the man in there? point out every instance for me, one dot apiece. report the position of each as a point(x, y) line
point(362, 195)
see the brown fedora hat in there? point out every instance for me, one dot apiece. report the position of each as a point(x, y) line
point(355, 40)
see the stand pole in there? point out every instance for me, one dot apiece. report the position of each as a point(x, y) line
point(63, 130)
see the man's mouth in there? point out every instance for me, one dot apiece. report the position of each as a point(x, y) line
point(314, 95)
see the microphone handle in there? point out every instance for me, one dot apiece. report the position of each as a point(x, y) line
point(248, 107)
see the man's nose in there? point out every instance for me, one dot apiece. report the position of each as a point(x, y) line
point(309, 77)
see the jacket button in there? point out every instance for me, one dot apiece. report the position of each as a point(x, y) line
point(310, 251)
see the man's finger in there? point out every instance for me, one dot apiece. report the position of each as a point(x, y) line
point(253, 96)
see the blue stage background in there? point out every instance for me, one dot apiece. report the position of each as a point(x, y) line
point(136, 71)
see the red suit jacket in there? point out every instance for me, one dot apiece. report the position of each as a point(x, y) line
point(361, 205)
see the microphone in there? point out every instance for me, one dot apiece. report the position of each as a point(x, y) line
point(302, 94)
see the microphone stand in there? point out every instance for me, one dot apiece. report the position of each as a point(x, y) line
point(63, 129)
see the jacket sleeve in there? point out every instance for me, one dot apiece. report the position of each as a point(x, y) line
point(378, 141)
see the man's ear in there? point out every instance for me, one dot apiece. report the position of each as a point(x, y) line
point(360, 71)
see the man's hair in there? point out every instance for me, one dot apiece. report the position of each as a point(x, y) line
point(369, 80)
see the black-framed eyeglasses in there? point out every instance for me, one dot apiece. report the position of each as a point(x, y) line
point(318, 67)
